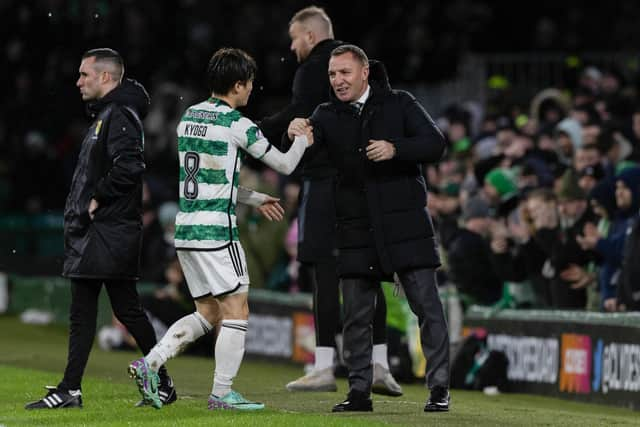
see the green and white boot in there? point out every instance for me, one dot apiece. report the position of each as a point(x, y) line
point(147, 381)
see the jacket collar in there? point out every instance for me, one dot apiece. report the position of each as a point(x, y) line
point(323, 48)
point(130, 93)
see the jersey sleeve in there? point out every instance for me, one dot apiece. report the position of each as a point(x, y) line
point(250, 197)
point(249, 137)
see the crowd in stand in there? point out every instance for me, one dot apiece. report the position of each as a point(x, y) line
point(541, 209)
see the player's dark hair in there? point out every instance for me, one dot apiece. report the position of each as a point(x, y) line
point(227, 67)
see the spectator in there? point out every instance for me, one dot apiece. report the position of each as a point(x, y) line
point(501, 190)
point(628, 295)
point(610, 247)
point(469, 255)
point(568, 135)
point(515, 256)
point(156, 250)
point(556, 224)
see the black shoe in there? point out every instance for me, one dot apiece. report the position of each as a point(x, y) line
point(166, 392)
point(438, 400)
point(356, 401)
point(57, 399)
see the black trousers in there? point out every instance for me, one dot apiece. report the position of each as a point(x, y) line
point(82, 330)
point(326, 304)
point(359, 298)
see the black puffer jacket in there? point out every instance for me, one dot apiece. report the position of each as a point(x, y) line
point(109, 169)
point(381, 208)
point(316, 216)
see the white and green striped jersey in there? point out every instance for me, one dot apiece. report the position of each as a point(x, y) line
point(210, 136)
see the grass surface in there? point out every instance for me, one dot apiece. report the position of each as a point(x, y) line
point(34, 356)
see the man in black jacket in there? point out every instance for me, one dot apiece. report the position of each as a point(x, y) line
point(469, 255)
point(312, 41)
point(103, 220)
point(378, 138)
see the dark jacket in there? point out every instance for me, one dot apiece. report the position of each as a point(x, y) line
point(524, 262)
point(316, 216)
point(629, 282)
point(562, 250)
point(383, 225)
point(470, 267)
point(611, 248)
point(109, 169)
point(317, 220)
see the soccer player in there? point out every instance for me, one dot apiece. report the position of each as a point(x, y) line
point(212, 138)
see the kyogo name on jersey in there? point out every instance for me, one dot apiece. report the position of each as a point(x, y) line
point(195, 130)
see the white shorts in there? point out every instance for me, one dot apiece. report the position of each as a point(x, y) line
point(217, 273)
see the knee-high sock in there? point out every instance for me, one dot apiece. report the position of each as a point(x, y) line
point(178, 337)
point(229, 353)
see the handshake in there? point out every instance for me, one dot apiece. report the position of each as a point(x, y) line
point(377, 150)
point(301, 127)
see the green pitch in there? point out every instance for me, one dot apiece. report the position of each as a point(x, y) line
point(34, 356)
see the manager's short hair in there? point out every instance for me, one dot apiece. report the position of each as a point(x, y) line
point(227, 67)
point(109, 57)
point(357, 53)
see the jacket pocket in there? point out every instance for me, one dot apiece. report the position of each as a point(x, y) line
point(396, 194)
point(354, 234)
point(407, 225)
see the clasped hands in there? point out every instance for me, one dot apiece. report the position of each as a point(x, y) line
point(378, 150)
point(301, 127)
